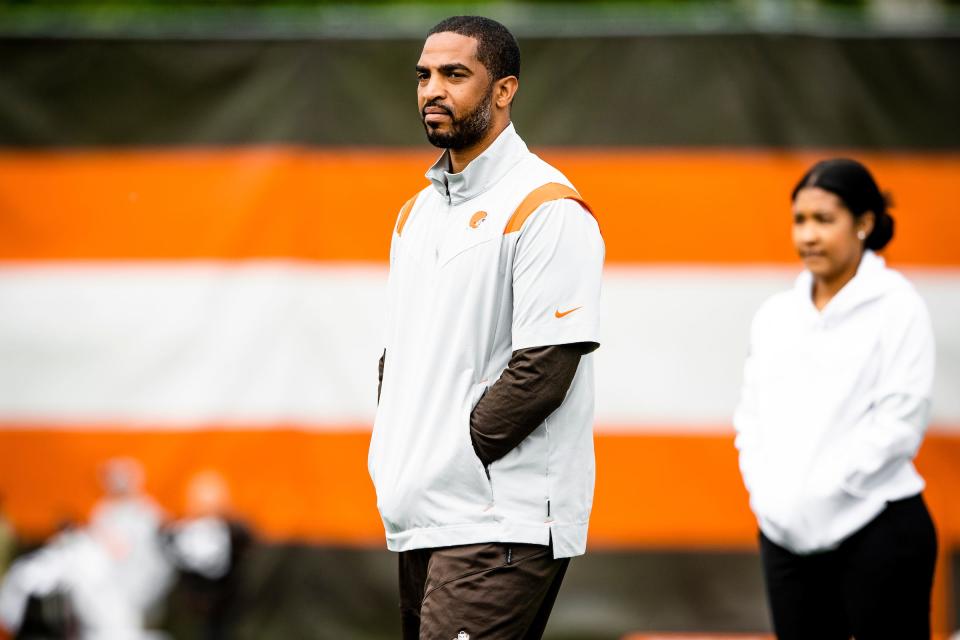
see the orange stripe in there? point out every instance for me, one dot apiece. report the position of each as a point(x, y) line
point(732, 207)
point(657, 206)
point(662, 490)
point(538, 197)
point(680, 491)
point(288, 483)
point(228, 204)
point(405, 213)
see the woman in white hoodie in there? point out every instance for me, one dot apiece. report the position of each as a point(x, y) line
point(835, 402)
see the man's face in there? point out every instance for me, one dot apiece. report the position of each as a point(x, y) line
point(454, 91)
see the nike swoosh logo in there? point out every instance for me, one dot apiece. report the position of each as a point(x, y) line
point(560, 314)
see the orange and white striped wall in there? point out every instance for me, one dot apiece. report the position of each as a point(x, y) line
point(220, 308)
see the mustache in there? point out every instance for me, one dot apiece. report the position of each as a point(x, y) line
point(438, 104)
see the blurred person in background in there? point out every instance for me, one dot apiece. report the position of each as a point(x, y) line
point(482, 447)
point(128, 523)
point(76, 571)
point(835, 402)
point(209, 547)
point(109, 576)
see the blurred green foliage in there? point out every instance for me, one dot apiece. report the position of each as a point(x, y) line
point(162, 4)
point(405, 18)
point(318, 3)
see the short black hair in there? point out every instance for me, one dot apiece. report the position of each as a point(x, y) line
point(497, 49)
point(853, 183)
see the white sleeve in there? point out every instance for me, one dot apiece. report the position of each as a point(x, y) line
point(556, 277)
point(745, 422)
point(390, 304)
point(900, 404)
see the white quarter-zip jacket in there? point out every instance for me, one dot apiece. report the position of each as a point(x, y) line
point(834, 406)
point(469, 284)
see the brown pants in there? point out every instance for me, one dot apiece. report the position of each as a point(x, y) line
point(492, 591)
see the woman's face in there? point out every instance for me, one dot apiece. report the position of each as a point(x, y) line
point(825, 233)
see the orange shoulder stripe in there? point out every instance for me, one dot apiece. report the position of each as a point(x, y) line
point(405, 213)
point(539, 196)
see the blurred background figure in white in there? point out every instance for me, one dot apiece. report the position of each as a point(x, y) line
point(73, 574)
point(105, 581)
point(209, 547)
point(127, 522)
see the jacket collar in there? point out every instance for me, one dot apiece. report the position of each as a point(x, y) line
point(483, 171)
point(871, 281)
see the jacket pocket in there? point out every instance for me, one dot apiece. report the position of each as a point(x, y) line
point(479, 390)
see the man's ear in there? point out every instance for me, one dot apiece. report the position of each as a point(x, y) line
point(504, 90)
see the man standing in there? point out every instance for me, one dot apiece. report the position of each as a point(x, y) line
point(482, 448)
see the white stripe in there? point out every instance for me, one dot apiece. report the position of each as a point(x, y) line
point(676, 338)
point(193, 344)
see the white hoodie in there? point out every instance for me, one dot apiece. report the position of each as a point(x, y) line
point(834, 406)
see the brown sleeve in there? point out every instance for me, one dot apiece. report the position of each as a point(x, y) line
point(532, 386)
point(383, 358)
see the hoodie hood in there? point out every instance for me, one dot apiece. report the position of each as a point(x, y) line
point(871, 281)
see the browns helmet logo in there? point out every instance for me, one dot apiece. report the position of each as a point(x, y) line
point(477, 219)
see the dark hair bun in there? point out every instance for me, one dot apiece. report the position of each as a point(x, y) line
point(855, 186)
point(882, 233)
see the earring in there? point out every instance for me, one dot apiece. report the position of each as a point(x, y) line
point(862, 235)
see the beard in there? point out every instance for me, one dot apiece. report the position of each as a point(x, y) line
point(465, 130)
